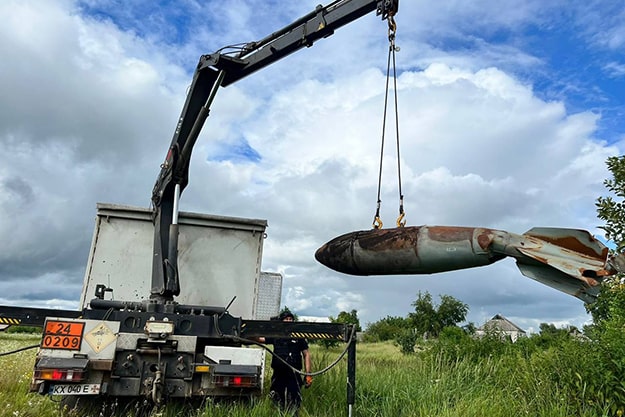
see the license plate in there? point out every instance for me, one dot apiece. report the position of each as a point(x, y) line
point(75, 389)
point(62, 335)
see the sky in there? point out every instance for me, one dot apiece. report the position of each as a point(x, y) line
point(507, 114)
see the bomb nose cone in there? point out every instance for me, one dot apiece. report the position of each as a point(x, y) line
point(337, 254)
point(373, 252)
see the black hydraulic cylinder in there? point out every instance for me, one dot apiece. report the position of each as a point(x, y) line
point(172, 284)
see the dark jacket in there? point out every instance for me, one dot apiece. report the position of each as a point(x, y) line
point(290, 350)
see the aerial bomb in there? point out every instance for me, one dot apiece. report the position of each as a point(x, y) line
point(569, 260)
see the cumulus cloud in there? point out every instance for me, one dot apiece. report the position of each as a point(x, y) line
point(478, 149)
point(91, 97)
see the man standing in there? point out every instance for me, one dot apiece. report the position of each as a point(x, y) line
point(286, 384)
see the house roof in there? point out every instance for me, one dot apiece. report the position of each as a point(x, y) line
point(500, 323)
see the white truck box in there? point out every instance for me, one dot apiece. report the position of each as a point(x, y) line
point(218, 258)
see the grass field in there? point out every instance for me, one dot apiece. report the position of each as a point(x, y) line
point(388, 384)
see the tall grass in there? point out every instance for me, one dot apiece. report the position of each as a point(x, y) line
point(461, 379)
point(15, 374)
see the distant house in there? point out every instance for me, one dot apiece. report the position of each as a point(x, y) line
point(501, 326)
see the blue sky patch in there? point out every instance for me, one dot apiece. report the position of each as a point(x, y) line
point(237, 152)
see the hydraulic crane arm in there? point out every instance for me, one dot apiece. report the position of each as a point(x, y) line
point(221, 69)
point(318, 24)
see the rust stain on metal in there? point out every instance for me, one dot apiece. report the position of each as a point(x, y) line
point(485, 239)
point(388, 239)
point(450, 234)
point(572, 243)
point(541, 259)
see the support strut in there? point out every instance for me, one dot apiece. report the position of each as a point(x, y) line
point(351, 376)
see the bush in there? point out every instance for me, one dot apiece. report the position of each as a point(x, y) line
point(453, 335)
point(388, 328)
point(406, 341)
point(609, 381)
point(23, 329)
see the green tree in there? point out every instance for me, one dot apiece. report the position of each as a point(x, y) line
point(608, 312)
point(451, 311)
point(611, 209)
point(424, 318)
point(550, 330)
point(387, 328)
point(344, 318)
point(431, 319)
point(348, 318)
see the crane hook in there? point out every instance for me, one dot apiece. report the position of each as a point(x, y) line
point(400, 220)
point(377, 221)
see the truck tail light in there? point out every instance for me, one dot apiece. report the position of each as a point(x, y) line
point(70, 375)
point(235, 376)
point(51, 368)
point(235, 381)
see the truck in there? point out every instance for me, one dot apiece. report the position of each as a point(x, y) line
point(220, 258)
point(172, 301)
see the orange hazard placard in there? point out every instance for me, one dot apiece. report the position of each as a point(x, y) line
point(62, 335)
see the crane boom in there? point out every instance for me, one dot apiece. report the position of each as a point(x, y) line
point(222, 69)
